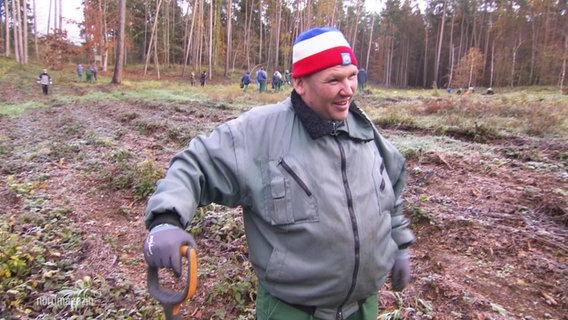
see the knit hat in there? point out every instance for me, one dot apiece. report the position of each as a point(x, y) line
point(318, 49)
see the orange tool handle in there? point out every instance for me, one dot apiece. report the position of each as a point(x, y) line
point(172, 300)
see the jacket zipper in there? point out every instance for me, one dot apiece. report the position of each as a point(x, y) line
point(296, 178)
point(356, 244)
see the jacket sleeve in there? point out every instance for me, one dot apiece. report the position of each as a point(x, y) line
point(395, 164)
point(203, 173)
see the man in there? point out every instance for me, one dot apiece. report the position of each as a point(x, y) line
point(362, 80)
point(80, 72)
point(319, 187)
point(95, 71)
point(288, 78)
point(277, 81)
point(245, 81)
point(45, 80)
point(89, 75)
point(261, 77)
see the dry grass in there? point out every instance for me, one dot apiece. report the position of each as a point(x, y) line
point(532, 113)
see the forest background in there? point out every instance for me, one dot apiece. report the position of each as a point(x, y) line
point(451, 44)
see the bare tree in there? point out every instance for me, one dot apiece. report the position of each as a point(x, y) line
point(210, 64)
point(49, 15)
point(440, 41)
point(24, 21)
point(119, 61)
point(152, 41)
point(15, 27)
point(7, 31)
point(370, 41)
point(564, 58)
point(36, 48)
point(229, 34)
point(189, 38)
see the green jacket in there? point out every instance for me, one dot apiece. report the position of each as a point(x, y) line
point(322, 207)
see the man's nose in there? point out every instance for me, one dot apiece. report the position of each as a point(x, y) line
point(348, 87)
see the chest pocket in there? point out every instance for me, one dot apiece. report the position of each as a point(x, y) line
point(291, 199)
point(383, 186)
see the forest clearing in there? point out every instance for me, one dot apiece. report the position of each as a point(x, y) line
point(486, 192)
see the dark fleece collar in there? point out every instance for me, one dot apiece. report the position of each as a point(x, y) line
point(357, 125)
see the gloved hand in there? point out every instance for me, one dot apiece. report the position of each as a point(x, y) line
point(162, 247)
point(400, 273)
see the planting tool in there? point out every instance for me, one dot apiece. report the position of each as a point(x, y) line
point(172, 300)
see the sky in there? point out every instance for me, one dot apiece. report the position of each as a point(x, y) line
point(72, 11)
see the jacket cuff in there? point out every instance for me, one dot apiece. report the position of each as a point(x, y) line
point(404, 238)
point(166, 217)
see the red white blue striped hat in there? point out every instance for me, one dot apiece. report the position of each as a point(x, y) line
point(318, 49)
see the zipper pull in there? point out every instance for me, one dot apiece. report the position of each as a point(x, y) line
point(335, 124)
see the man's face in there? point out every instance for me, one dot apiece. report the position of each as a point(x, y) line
point(329, 92)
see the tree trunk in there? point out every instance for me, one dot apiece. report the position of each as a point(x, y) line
point(104, 38)
point(25, 32)
point(152, 36)
point(15, 32)
point(260, 31)
point(514, 61)
point(229, 33)
point(200, 35)
point(370, 42)
point(277, 40)
point(61, 15)
point(211, 8)
point(425, 70)
point(440, 41)
point(564, 58)
point(492, 63)
point(49, 16)
point(6, 31)
point(119, 60)
point(36, 47)
point(248, 26)
point(190, 37)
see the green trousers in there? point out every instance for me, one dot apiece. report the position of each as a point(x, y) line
point(271, 308)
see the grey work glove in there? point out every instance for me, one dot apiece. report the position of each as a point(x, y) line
point(400, 273)
point(162, 247)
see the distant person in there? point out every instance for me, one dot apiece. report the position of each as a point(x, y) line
point(459, 92)
point(277, 81)
point(256, 78)
point(362, 80)
point(261, 77)
point(245, 81)
point(80, 72)
point(94, 69)
point(89, 74)
point(490, 91)
point(202, 78)
point(287, 78)
point(192, 78)
point(45, 80)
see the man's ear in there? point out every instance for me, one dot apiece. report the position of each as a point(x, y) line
point(298, 85)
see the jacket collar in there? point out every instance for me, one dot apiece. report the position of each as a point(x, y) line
point(357, 125)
